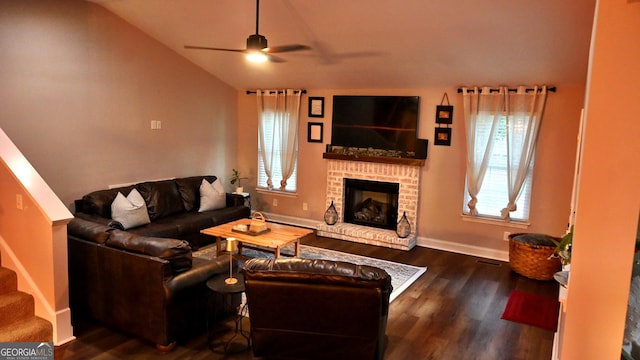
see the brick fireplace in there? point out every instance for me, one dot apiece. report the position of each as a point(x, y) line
point(408, 178)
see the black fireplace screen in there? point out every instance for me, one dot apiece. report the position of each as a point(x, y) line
point(371, 203)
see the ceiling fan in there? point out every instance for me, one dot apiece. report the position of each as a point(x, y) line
point(257, 49)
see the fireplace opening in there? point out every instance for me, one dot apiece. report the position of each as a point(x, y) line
point(371, 203)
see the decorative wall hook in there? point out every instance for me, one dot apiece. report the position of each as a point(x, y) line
point(444, 113)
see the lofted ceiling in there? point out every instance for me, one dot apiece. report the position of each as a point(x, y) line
point(370, 44)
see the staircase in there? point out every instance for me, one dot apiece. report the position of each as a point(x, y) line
point(18, 322)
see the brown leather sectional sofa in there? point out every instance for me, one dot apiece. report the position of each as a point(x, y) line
point(317, 309)
point(172, 207)
point(145, 281)
point(145, 286)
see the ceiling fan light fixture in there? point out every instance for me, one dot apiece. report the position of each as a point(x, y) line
point(256, 56)
point(256, 42)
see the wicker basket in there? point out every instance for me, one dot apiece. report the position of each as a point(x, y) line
point(529, 256)
point(258, 223)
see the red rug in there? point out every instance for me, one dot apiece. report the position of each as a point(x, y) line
point(531, 309)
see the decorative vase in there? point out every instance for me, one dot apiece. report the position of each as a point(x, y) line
point(404, 227)
point(331, 215)
point(239, 190)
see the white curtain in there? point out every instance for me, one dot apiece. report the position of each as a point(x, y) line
point(523, 112)
point(482, 111)
point(284, 109)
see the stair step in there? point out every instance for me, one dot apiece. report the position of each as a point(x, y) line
point(34, 329)
point(8, 281)
point(15, 306)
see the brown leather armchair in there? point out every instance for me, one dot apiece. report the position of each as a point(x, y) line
point(316, 309)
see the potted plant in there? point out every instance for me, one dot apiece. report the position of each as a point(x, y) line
point(236, 178)
point(563, 248)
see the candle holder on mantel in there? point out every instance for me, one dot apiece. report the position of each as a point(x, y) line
point(404, 227)
point(331, 215)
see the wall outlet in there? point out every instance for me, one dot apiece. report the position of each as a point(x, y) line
point(305, 207)
point(505, 235)
point(275, 202)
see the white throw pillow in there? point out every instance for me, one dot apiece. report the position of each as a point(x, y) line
point(130, 211)
point(212, 196)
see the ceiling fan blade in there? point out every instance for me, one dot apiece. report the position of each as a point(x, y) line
point(275, 59)
point(212, 48)
point(286, 48)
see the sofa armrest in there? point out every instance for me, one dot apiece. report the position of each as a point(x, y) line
point(88, 230)
point(200, 272)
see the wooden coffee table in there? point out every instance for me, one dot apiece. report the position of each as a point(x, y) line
point(278, 237)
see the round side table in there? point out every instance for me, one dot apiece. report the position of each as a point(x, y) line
point(218, 287)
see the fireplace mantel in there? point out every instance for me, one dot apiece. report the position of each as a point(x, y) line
point(375, 159)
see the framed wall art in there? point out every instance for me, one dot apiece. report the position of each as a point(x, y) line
point(443, 136)
point(316, 106)
point(444, 114)
point(314, 132)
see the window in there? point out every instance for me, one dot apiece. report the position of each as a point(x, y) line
point(275, 138)
point(493, 195)
point(502, 127)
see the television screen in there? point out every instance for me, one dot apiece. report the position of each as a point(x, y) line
point(379, 122)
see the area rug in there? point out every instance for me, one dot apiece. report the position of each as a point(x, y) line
point(402, 275)
point(532, 309)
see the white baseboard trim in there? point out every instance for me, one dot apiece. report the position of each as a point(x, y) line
point(472, 250)
point(291, 220)
point(465, 249)
point(63, 330)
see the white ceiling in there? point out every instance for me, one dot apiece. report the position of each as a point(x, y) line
point(369, 44)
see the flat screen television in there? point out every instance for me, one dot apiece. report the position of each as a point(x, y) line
point(379, 122)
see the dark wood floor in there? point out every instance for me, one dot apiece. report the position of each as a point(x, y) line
point(451, 312)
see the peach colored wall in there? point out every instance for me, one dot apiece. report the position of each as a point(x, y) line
point(442, 183)
point(27, 226)
point(80, 87)
point(32, 238)
point(609, 196)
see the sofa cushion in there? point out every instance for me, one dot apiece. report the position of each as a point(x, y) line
point(192, 223)
point(212, 196)
point(177, 252)
point(88, 230)
point(162, 198)
point(228, 214)
point(99, 202)
point(130, 211)
point(176, 226)
point(189, 189)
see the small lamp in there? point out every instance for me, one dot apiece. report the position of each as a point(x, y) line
point(231, 245)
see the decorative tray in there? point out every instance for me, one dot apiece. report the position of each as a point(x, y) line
point(249, 232)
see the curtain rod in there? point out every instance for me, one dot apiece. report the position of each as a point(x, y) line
point(278, 91)
point(549, 88)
